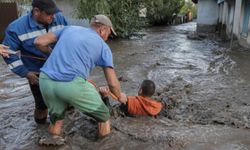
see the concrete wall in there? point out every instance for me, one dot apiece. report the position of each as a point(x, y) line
point(236, 15)
point(207, 15)
point(230, 19)
point(225, 13)
point(241, 17)
point(237, 18)
point(223, 17)
point(244, 41)
point(239, 11)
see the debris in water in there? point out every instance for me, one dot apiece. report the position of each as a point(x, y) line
point(53, 140)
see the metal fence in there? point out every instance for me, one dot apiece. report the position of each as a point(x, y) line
point(78, 22)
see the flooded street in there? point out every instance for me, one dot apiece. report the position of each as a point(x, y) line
point(206, 87)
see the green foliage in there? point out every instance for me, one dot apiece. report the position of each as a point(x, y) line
point(19, 1)
point(161, 11)
point(124, 14)
point(189, 7)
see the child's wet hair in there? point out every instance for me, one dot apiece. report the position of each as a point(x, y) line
point(148, 88)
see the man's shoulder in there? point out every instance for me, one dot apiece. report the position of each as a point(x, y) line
point(74, 29)
point(19, 23)
point(91, 36)
point(59, 15)
point(60, 19)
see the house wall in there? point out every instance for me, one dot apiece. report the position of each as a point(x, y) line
point(225, 13)
point(241, 17)
point(207, 16)
point(244, 39)
point(221, 21)
point(237, 18)
point(221, 12)
point(225, 19)
point(230, 17)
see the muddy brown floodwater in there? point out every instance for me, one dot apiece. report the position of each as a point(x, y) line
point(206, 87)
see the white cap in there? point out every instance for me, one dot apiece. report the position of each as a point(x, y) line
point(102, 19)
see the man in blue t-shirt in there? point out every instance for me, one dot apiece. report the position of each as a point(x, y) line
point(19, 36)
point(63, 80)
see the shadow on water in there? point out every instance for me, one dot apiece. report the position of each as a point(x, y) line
point(205, 85)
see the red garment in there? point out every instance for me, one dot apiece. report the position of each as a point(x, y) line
point(138, 105)
point(92, 82)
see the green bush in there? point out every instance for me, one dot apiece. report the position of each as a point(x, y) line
point(160, 12)
point(189, 7)
point(124, 14)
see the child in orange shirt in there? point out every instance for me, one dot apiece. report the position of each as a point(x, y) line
point(142, 104)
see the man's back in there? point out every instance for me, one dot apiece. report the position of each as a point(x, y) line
point(77, 52)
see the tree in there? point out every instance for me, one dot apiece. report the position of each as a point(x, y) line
point(189, 7)
point(124, 14)
point(160, 11)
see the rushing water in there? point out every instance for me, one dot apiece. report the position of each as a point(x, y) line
point(208, 84)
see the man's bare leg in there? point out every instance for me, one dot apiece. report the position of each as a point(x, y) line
point(103, 128)
point(56, 129)
point(54, 138)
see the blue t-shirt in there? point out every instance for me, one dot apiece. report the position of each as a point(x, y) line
point(77, 52)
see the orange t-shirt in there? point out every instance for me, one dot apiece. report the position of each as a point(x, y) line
point(138, 105)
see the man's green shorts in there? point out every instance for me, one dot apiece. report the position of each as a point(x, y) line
point(78, 93)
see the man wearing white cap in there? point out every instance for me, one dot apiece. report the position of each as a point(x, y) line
point(63, 78)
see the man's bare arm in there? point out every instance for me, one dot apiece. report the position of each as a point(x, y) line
point(43, 42)
point(114, 84)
